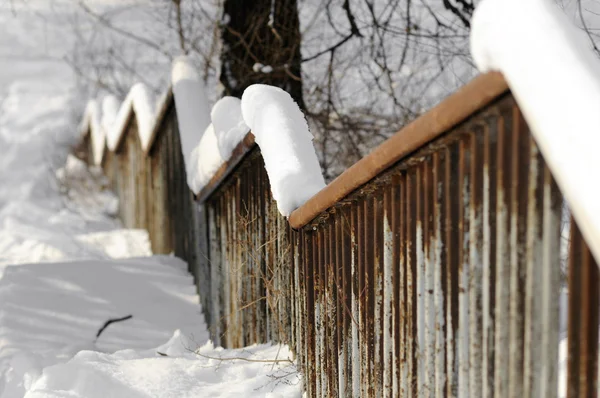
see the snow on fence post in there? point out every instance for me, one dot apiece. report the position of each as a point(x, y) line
point(91, 122)
point(110, 108)
point(193, 114)
point(139, 103)
point(285, 142)
point(217, 143)
point(555, 78)
point(229, 125)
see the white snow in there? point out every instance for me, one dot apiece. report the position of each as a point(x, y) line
point(51, 311)
point(229, 125)
point(97, 122)
point(205, 160)
point(281, 132)
point(258, 67)
point(193, 113)
point(138, 103)
point(187, 370)
point(217, 143)
point(92, 125)
point(110, 109)
point(555, 77)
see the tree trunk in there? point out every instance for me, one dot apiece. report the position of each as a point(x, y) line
point(261, 44)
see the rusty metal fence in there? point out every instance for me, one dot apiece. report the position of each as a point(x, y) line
point(432, 267)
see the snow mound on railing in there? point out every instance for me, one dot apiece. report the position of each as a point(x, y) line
point(205, 161)
point(555, 77)
point(228, 121)
point(139, 101)
point(278, 124)
point(217, 143)
point(193, 114)
point(285, 142)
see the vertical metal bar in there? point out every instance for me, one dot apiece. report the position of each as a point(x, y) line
point(533, 289)
point(476, 258)
point(362, 299)
point(319, 362)
point(369, 293)
point(309, 271)
point(399, 308)
point(333, 320)
point(453, 196)
point(576, 256)
point(584, 301)
point(503, 250)
point(426, 327)
point(248, 234)
point(225, 272)
point(267, 270)
point(439, 272)
point(464, 183)
point(340, 292)
point(356, 307)
point(349, 320)
point(409, 379)
point(283, 283)
point(215, 270)
point(292, 288)
point(299, 298)
point(518, 229)
point(232, 268)
point(272, 270)
point(240, 262)
point(257, 221)
point(489, 254)
point(378, 294)
point(388, 292)
point(301, 339)
point(550, 282)
point(324, 294)
point(421, 343)
point(288, 311)
point(261, 267)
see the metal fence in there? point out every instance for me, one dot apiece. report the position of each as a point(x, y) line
point(432, 267)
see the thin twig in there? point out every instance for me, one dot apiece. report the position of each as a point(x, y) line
point(287, 360)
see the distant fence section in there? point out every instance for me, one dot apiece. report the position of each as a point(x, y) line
point(432, 267)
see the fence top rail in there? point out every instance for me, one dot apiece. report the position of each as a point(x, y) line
point(459, 106)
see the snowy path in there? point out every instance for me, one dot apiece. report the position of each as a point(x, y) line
point(49, 312)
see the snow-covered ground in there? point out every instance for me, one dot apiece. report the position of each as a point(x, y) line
point(67, 267)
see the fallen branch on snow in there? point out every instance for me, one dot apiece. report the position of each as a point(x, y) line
point(110, 321)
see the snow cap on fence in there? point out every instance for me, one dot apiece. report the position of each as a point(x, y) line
point(110, 109)
point(554, 76)
point(91, 124)
point(281, 132)
point(193, 114)
point(205, 161)
point(229, 125)
point(217, 143)
point(139, 102)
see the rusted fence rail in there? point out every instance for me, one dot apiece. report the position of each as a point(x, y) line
point(432, 267)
